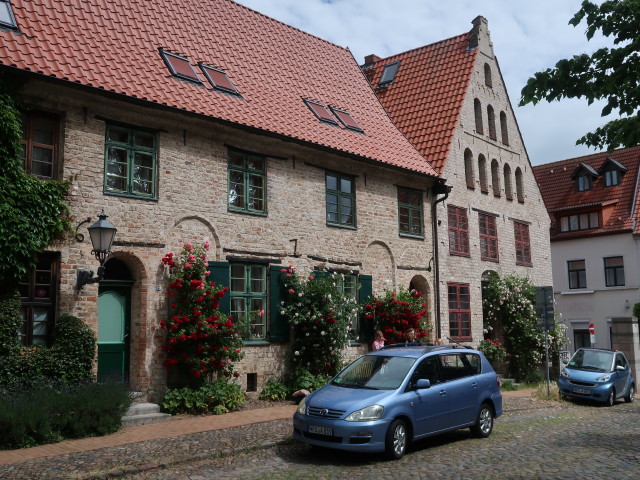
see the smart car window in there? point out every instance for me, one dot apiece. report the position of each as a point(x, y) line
point(375, 372)
point(592, 360)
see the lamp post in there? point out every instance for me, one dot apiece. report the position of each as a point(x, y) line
point(102, 234)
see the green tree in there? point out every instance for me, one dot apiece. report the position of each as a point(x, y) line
point(32, 211)
point(610, 74)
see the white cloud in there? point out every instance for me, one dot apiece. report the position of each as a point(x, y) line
point(528, 36)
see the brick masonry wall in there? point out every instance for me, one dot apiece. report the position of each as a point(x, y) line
point(532, 210)
point(192, 206)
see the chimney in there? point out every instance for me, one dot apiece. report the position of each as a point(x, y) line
point(370, 59)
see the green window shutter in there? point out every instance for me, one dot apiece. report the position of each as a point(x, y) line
point(366, 290)
point(219, 273)
point(278, 325)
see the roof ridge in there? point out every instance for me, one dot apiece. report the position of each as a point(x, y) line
point(423, 47)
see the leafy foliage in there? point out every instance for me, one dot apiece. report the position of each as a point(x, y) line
point(510, 302)
point(320, 314)
point(216, 397)
point(302, 379)
point(396, 312)
point(492, 349)
point(47, 412)
point(274, 390)
point(32, 212)
point(69, 359)
point(611, 74)
point(10, 322)
point(201, 341)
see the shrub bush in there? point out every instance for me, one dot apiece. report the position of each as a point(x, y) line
point(47, 412)
point(274, 390)
point(303, 379)
point(215, 397)
point(70, 358)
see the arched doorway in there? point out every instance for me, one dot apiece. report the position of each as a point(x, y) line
point(114, 322)
point(420, 284)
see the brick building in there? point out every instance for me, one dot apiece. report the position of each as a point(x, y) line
point(450, 100)
point(193, 122)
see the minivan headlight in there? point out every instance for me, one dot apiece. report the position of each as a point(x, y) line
point(302, 407)
point(368, 414)
point(603, 378)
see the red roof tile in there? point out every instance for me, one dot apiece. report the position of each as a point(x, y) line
point(426, 96)
point(114, 45)
point(619, 204)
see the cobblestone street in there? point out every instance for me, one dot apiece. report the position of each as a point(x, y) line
point(532, 440)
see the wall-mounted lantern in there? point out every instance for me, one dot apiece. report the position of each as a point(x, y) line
point(102, 234)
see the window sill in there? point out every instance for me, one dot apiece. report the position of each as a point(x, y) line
point(128, 195)
point(247, 212)
point(412, 237)
point(458, 254)
point(255, 343)
point(337, 225)
point(523, 264)
point(494, 260)
point(577, 292)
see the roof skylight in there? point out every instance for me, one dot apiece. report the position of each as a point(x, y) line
point(218, 78)
point(6, 15)
point(389, 73)
point(179, 66)
point(320, 111)
point(346, 119)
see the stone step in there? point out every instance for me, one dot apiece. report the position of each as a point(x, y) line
point(144, 413)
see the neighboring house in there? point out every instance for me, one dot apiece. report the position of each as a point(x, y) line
point(595, 233)
point(450, 100)
point(189, 122)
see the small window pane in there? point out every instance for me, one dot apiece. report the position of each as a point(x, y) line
point(143, 139)
point(6, 16)
point(345, 185)
point(118, 134)
point(332, 182)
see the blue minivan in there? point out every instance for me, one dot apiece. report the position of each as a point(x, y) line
point(597, 374)
point(387, 398)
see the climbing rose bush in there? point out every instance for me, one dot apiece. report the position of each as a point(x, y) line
point(320, 314)
point(511, 302)
point(394, 313)
point(201, 341)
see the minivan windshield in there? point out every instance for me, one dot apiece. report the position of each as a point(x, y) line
point(375, 372)
point(594, 360)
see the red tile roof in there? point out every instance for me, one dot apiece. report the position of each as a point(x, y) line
point(113, 45)
point(619, 204)
point(426, 96)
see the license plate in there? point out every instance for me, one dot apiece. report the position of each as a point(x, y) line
point(582, 391)
point(320, 430)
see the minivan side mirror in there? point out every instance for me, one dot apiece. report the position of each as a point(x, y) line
point(423, 383)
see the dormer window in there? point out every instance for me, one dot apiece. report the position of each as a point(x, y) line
point(612, 178)
point(584, 176)
point(218, 79)
point(612, 172)
point(584, 183)
point(6, 15)
point(179, 66)
point(389, 74)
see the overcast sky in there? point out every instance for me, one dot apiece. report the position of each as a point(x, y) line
point(528, 36)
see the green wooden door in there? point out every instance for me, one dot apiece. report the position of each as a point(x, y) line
point(113, 333)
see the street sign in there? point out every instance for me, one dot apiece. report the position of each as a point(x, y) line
point(592, 329)
point(593, 340)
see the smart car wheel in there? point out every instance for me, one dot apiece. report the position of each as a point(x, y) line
point(611, 399)
point(396, 441)
point(484, 422)
point(631, 396)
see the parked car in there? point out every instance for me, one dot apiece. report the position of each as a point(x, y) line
point(388, 398)
point(597, 374)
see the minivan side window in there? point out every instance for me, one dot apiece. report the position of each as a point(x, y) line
point(459, 365)
point(427, 369)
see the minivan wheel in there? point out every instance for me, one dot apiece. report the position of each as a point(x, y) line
point(611, 399)
point(484, 423)
point(396, 440)
point(630, 395)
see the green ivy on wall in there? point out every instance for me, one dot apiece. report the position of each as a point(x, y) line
point(33, 212)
